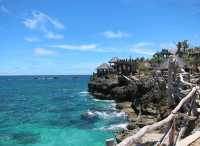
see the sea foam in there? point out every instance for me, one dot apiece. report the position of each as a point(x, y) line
point(107, 114)
point(115, 127)
point(84, 92)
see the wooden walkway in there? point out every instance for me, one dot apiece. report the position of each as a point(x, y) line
point(196, 143)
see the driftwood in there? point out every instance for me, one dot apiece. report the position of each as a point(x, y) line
point(183, 129)
point(165, 140)
point(185, 117)
point(181, 133)
point(185, 82)
point(127, 78)
point(172, 133)
point(136, 138)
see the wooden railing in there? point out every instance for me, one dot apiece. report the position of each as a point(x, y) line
point(172, 137)
point(171, 134)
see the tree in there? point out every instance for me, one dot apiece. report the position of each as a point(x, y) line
point(179, 46)
point(185, 45)
point(143, 69)
point(142, 59)
point(157, 59)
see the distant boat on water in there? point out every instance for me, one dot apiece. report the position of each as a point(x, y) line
point(75, 77)
point(55, 77)
point(45, 77)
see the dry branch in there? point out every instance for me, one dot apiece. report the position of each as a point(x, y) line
point(184, 82)
point(181, 133)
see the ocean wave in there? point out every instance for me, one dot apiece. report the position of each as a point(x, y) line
point(107, 101)
point(115, 127)
point(84, 92)
point(113, 104)
point(107, 114)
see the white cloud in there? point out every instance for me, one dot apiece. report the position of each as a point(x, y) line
point(143, 48)
point(54, 36)
point(78, 47)
point(30, 23)
point(31, 39)
point(45, 24)
point(148, 48)
point(83, 47)
point(142, 51)
point(118, 34)
point(167, 45)
point(170, 46)
point(4, 9)
point(40, 19)
point(143, 44)
point(44, 52)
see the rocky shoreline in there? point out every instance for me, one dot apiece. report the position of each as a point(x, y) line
point(144, 100)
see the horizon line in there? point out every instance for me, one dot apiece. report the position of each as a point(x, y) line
point(49, 75)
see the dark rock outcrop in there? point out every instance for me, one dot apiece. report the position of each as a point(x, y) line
point(148, 95)
point(90, 117)
point(101, 87)
point(124, 93)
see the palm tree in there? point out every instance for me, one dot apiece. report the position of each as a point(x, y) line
point(184, 45)
point(179, 46)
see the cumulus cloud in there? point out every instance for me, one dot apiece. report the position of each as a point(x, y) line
point(118, 34)
point(31, 39)
point(44, 52)
point(144, 48)
point(39, 20)
point(44, 23)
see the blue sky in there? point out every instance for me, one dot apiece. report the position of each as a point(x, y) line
point(75, 36)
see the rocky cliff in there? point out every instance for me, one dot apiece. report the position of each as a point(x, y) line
point(147, 95)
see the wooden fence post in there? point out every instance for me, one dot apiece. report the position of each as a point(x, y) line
point(172, 133)
point(171, 76)
point(110, 142)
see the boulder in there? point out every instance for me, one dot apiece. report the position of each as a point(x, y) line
point(89, 117)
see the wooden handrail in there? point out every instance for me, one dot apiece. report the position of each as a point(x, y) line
point(129, 141)
point(184, 82)
point(136, 138)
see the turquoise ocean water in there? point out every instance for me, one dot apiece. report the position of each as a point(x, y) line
point(48, 111)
